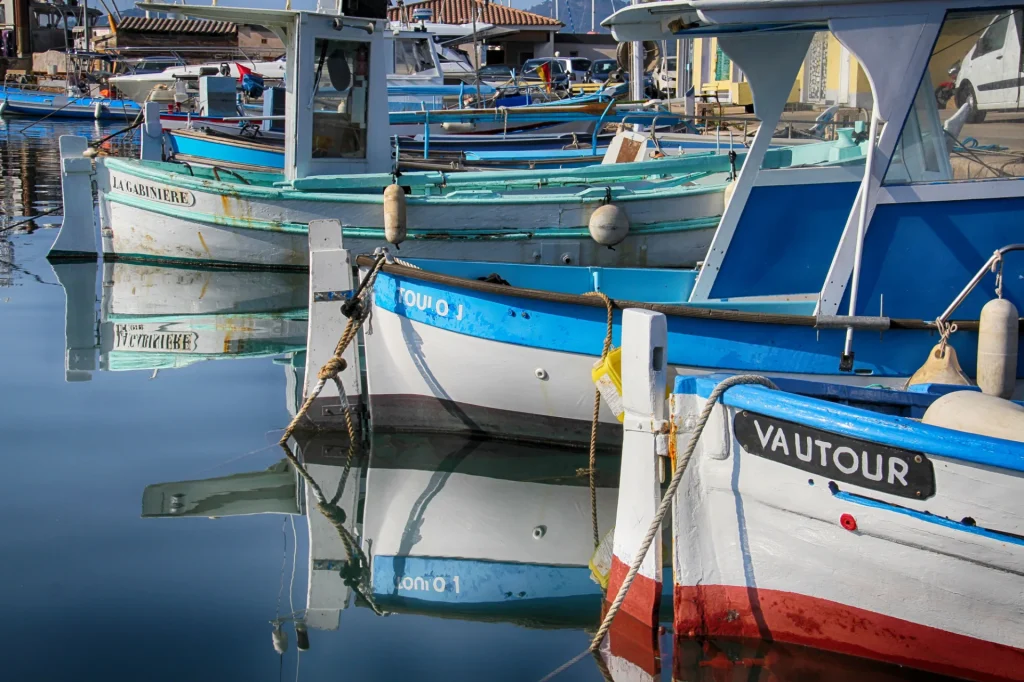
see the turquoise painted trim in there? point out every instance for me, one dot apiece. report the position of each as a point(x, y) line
point(293, 314)
point(862, 424)
point(197, 263)
point(343, 186)
point(928, 518)
point(427, 235)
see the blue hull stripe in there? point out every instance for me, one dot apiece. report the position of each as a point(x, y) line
point(693, 342)
point(481, 582)
point(929, 518)
point(862, 424)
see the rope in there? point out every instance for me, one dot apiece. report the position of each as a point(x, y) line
point(8, 228)
point(357, 570)
point(336, 363)
point(670, 492)
point(592, 464)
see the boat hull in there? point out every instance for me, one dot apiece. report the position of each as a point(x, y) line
point(447, 358)
point(764, 549)
point(173, 217)
point(24, 103)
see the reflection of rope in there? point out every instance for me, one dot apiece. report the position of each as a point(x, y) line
point(670, 492)
point(357, 568)
point(592, 464)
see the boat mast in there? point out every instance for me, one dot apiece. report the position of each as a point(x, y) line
point(636, 68)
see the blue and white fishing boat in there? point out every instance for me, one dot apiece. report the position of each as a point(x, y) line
point(852, 269)
point(21, 101)
point(876, 523)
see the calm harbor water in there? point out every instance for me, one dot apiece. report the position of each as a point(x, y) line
point(133, 395)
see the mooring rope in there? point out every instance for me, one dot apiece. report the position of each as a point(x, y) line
point(592, 464)
point(666, 500)
point(358, 566)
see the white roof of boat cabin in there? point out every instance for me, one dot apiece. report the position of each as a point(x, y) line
point(667, 20)
point(270, 18)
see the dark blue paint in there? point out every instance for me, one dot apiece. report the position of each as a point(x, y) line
point(943, 244)
point(785, 240)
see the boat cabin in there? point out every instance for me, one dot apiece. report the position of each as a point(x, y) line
point(900, 227)
point(338, 69)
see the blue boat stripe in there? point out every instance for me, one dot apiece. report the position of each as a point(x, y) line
point(928, 518)
point(884, 429)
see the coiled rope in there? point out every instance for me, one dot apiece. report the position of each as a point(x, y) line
point(666, 500)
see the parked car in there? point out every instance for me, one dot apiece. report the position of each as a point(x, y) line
point(601, 68)
point(665, 78)
point(576, 67)
point(496, 73)
point(605, 70)
point(989, 76)
point(559, 76)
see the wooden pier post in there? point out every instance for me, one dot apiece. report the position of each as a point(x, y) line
point(152, 133)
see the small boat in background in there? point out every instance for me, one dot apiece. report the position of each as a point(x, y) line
point(24, 101)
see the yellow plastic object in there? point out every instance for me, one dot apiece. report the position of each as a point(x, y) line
point(607, 376)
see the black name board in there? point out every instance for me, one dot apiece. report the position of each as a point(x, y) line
point(847, 460)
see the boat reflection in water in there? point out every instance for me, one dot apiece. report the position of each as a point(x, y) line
point(477, 530)
point(154, 318)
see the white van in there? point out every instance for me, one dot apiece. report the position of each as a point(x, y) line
point(990, 77)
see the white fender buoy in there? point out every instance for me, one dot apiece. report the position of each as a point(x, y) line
point(973, 412)
point(280, 638)
point(3, 107)
point(301, 636)
point(730, 189)
point(394, 214)
point(608, 225)
point(458, 127)
point(997, 348)
point(97, 111)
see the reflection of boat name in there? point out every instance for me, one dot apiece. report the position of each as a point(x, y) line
point(421, 301)
point(147, 190)
point(134, 337)
point(428, 584)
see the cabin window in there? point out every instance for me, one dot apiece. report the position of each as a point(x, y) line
point(825, 121)
point(340, 97)
point(412, 56)
point(967, 122)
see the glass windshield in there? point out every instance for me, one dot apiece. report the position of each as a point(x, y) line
point(340, 99)
point(603, 66)
point(412, 56)
point(967, 122)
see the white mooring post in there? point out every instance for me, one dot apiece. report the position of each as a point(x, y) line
point(152, 133)
point(645, 437)
point(330, 285)
point(77, 236)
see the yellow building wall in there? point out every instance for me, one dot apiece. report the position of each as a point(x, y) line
point(739, 93)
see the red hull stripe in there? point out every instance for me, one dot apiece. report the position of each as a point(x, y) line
point(644, 596)
point(774, 615)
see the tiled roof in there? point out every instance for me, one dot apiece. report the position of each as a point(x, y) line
point(461, 12)
point(188, 26)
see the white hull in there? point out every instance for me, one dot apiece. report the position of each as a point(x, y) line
point(425, 378)
point(766, 542)
point(187, 224)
